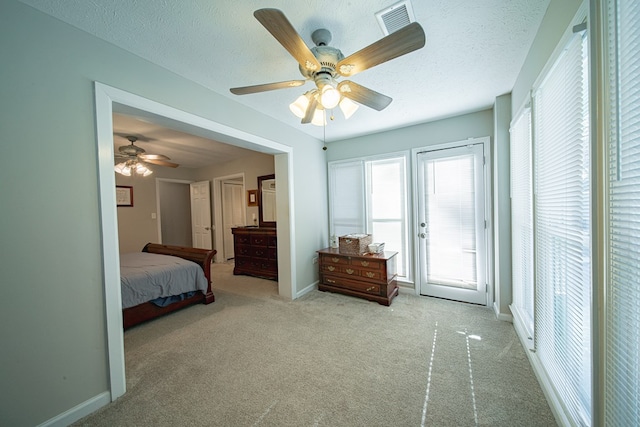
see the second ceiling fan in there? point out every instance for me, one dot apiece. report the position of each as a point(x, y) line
point(324, 64)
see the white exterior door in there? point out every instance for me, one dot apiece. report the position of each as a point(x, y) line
point(451, 223)
point(233, 213)
point(201, 214)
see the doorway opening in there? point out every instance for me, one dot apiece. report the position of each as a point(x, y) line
point(109, 99)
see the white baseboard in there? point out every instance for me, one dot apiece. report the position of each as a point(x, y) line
point(312, 287)
point(77, 412)
point(545, 383)
point(505, 317)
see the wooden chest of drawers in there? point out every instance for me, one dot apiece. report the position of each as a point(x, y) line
point(256, 252)
point(370, 276)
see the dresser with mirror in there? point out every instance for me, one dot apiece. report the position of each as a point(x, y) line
point(256, 251)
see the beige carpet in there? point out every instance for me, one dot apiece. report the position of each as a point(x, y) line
point(254, 359)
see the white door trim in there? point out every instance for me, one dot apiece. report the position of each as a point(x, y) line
point(105, 98)
point(488, 195)
point(217, 212)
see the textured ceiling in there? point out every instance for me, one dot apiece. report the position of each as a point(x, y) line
point(473, 53)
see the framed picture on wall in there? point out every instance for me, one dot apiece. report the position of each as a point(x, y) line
point(252, 198)
point(124, 195)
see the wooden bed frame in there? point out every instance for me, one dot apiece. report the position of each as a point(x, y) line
point(141, 313)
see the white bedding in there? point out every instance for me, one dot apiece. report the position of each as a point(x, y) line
point(145, 277)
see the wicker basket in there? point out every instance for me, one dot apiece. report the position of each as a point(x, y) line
point(354, 244)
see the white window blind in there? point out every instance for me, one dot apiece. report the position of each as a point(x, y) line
point(451, 213)
point(562, 229)
point(347, 200)
point(387, 206)
point(522, 223)
point(369, 196)
point(622, 331)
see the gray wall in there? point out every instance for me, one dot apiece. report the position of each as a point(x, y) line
point(52, 324)
point(555, 22)
point(52, 320)
point(136, 227)
point(175, 213)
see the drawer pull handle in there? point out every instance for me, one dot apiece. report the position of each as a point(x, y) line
point(335, 259)
point(365, 263)
point(370, 288)
point(370, 275)
point(331, 281)
point(330, 267)
point(349, 271)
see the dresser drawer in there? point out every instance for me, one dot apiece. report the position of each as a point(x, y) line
point(376, 273)
point(259, 240)
point(367, 264)
point(370, 288)
point(259, 252)
point(241, 239)
point(334, 260)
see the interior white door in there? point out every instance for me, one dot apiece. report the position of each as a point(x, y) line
point(233, 214)
point(201, 214)
point(451, 223)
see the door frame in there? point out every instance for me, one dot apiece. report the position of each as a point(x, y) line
point(217, 212)
point(488, 197)
point(109, 99)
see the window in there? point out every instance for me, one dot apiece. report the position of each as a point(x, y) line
point(522, 223)
point(562, 228)
point(551, 227)
point(370, 196)
point(622, 285)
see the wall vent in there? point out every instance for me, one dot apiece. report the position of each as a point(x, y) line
point(395, 17)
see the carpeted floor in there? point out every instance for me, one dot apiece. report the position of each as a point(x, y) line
point(254, 359)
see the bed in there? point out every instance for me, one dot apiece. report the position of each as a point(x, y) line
point(162, 279)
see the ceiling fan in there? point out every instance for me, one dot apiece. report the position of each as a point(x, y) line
point(324, 64)
point(134, 159)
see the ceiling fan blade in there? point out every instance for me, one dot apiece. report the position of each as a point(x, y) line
point(147, 157)
point(266, 87)
point(311, 109)
point(279, 26)
point(363, 95)
point(161, 163)
point(403, 41)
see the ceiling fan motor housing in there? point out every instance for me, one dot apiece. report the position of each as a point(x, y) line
point(327, 56)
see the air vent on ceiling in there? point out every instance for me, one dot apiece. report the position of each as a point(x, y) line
point(395, 17)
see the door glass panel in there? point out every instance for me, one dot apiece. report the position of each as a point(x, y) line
point(451, 248)
point(451, 223)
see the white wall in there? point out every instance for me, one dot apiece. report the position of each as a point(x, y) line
point(52, 322)
point(502, 208)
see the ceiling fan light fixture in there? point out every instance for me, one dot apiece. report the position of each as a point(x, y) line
point(329, 96)
point(319, 118)
point(123, 169)
point(299, 106)
point(142, 170)
point(348, 107)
